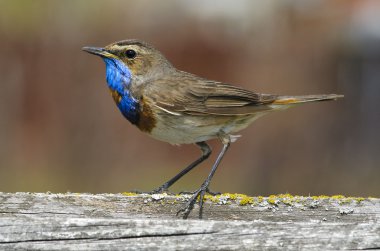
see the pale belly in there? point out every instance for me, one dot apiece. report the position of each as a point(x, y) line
point(191, 129)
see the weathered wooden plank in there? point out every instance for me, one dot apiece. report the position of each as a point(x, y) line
point(145, 222)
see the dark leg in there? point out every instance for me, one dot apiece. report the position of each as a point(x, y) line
point(203, 189)
point(206, 151)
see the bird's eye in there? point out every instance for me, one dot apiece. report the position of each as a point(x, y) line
point(130, 53)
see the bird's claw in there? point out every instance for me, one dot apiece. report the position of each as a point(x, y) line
point(159, 190)
point(189, 206)
point(137, 191)
point(207, 191)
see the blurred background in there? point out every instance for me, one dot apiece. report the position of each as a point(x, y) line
point(60, 130)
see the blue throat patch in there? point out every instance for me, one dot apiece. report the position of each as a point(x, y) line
point(118, 79)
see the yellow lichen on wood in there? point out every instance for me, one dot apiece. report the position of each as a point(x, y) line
point(245, 200)
point(129, 194)
point(274, 199)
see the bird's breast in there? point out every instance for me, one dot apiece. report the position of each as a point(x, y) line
point(127, 105)
point(137, 111)
point(147, 119)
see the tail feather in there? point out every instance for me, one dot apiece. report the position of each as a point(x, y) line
point(289, 100)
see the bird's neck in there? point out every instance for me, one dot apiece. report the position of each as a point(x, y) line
point(119, 80)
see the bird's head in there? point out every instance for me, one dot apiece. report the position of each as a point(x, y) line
point(131, 60)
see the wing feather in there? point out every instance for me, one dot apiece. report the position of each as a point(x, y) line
point(190, 94)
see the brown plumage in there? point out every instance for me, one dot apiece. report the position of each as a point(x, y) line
point(182, 108)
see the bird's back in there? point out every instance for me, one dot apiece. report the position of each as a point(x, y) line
point(187, 108)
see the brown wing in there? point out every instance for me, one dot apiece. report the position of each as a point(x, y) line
point(190, 94)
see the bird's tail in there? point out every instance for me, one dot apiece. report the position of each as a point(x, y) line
point(290, 100)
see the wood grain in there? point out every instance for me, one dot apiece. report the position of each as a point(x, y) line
point(43, 221)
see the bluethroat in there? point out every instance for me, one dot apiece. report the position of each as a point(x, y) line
point(181, 108)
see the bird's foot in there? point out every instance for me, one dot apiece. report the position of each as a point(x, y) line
point(207, 191)
point(156, 191)
point(189, 206)
point(137, 191)
point(161, 189)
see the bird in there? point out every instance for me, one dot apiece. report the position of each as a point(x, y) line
point(178, 107)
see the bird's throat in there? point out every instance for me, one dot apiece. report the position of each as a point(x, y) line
point(127, 105)
point(118, 75)
point(119, 80)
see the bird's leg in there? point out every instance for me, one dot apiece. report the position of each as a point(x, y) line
point(204, 187)
point(206, 151)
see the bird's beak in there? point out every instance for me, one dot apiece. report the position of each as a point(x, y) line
point(98, 51)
